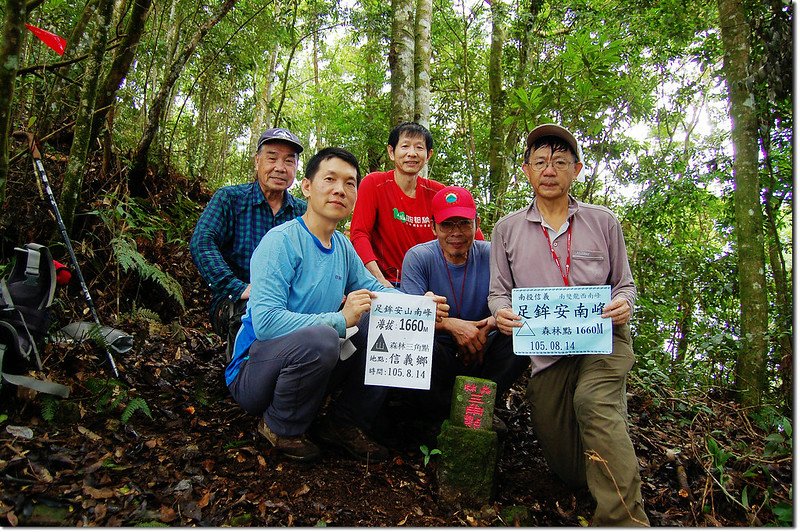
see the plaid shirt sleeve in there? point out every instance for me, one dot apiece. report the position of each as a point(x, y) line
point(213, 228)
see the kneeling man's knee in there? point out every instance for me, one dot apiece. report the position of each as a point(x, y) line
point(322, 341)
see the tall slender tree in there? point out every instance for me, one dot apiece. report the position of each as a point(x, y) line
point(497, 103)
point(422, 63)
point(123, 58)
point(751, 364)
point(401, 61)
point(73, 178)
point(9, 62)
point(138, 165)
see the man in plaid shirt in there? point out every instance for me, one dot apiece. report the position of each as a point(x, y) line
point(236, 219)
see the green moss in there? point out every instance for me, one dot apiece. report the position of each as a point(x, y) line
point(466, 468)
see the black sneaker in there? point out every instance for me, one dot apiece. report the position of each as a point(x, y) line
point(297, 448)
point(351, 439)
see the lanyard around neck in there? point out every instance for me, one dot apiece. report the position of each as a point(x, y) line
point(452, 288)
point(564, 274)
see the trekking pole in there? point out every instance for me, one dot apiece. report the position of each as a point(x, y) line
point(37, 165)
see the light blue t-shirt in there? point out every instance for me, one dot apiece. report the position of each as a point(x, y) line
point(296, 282)
point(425, 269)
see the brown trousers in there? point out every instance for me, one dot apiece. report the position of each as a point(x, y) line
point(579, 413)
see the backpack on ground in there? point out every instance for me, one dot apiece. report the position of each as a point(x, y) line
point(25, 299)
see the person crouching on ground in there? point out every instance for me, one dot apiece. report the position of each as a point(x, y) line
point(286, 354)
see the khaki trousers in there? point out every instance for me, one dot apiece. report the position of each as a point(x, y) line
point(579, 413)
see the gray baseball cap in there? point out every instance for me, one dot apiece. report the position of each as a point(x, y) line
point(280, 134)
point(554, 130)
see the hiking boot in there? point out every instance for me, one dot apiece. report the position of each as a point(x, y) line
point(297, 448)
point(352, 440)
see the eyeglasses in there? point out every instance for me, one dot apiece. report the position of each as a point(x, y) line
point(559, 165)
point(449, 226)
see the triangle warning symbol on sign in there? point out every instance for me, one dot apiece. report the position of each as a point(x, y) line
point(380, 345)
point(525, 330)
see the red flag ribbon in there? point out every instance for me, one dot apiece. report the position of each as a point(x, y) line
point(57, 43)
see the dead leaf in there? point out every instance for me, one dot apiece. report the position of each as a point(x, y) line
point(190, 510)
point(20, 432)
point(204, 500)
point(151, 443)
point(167, 514)
point(208, 465)
point(88, 433)
point(41, 473)
point(100, 511)
point(94, 493)
point(403, 521)
point(12, 519)
point(261, 461)
point(189, 410)
point(302, 490)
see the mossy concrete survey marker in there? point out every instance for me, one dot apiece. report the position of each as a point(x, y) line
point(468, 444)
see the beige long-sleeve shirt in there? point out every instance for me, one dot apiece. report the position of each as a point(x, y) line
point(521, 257)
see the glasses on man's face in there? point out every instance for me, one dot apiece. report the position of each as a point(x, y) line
point(559, 165)
point(448, 226)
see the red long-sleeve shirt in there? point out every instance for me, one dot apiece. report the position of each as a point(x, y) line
point(387, 223)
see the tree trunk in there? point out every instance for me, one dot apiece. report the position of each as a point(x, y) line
point(466, 110)
point(138, 166)
point(498, 188)
point(9, 62)
point(289, 61)
point(79, 151)
point(497, 104)
point(783, 302)
point(751, 364)
point(422, 68)
point(263, 116)
point(123, 59)
point(401, 61)
point(422, 63)
point(317, 95)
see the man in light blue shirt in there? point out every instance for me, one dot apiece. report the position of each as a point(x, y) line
point(286, 357)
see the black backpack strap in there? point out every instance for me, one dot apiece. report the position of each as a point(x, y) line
point(39, 271)
point(32, 265)
point(14, 318)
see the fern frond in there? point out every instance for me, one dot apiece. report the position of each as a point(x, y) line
point(137, 403)
point(145, 313)
point(129, 259)
point(49, 408)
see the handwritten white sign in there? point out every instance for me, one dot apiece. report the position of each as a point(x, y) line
point(400, 341)
point(562, 320)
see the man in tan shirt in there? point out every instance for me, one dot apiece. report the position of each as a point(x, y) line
point(578, 403)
